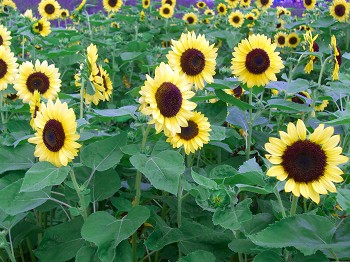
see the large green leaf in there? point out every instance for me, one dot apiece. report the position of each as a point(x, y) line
point(288, 106)
point(104, 154)
point(107, 232)
point(104, 185)
point(163, 170)
point(203, 181)
point(308, 233)
point(13, 201)
point(232, 100)
point(43, 174)
point(198, 256)
point(18, 158)
point(61, 242)
point(343, 198)
point(268, 256)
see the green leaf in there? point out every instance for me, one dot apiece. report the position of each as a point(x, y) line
point(13, 202)
point(343, 120)
point(104, 154)
point(203, 181)
point(90, 88)
point(217, 133)
point(128, 56)
point(43, 174)
point(86, 254)
point(124, 252)
point(19, 158)
point(119, 114)
point(288, 106)
point(300, 231)
point(243, 246)
point(104, 185)
point(61, 242)
point(232, 100)
point(343, 198)
point(198, 256)
point(268, 256)
point(107, 232)
point(215, 112)
point(163, 170)
point(7, 221)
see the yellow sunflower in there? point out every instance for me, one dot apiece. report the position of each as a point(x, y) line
point(5, 36)
point(146, 3)
point(313, 47)
point(29, 14)
point(41, 76)
point(190, 18)
point(96, 97)
point(250, 16)
point(293, 40)
point(42, 27)
point(236, 19)
point(309, 164)
point(201, 4)
point(237, 92)
point(8, 67)
point(281, 39)
point(222, 9)
point(245, 3)
point(282, 11)
point(336, 58)
point(106, 84)
point(280, 24)
point(172, 3)
point(34, 107)
point(142, 15)
point(56, 135)
point(232, 3)
point(309, 4)
point(264, 4)
point(81, 5)
point(92, 59)
point(64, 14)
point(166, 99)
point(166, 11)
point(209, 12)
point(255, 61)
point(194, 136)
point(193, 57)
point(340, 10)
point(112, 5)
point(321, 106)
point(302, 97)
point(49, 9)
point(8, 3)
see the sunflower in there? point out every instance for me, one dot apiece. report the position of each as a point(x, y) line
point(8, 67)
point(92, 59)
point(34, 105)
point(172, 3)
point(106, 84)
point(64, 14)
point(190, 18)
point(236, 19)
point(282, 11)
point(309, 4)
point(255, 61)
point(165, 99)
point(281, 39)
point(264, 4)
point(280, 24)
point(293, 40)
point(194, 136)
point(112, 5)
point(250, 16)
point(41, 76)
point(313, 47)
point(245, 3)
point(302, 97)
point(201, 4)
point(193, 57)
point(256, 12)
point(49, 9)
point(209, 12)
point(29, 14)
point(56, 135)
point(232, 3)
point(146, 3)
point(340, 10)
point(96, 97)
point(222, 9)
point(336, 58)
point(166, 11)
point(309, 164)
point(8, 3)
point(237, 92)
point(5, 36)
point(42, 27)
point(142, 15)
point(81, 5)
point(320, 106)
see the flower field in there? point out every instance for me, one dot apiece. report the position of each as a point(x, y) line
point(217, 131)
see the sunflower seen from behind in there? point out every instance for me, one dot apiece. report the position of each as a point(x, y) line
point(49, 9)
point(8, 67)
point(165, 98)
point(55, 136)
point(340, 10)
point(190, 18)
point(309, 4)
point(42, 27)
point(166, 11)
point(42, 77)
point(309, 164)
point(193, 136)
point(236, 19)
point(255, 61)
point(112, 5)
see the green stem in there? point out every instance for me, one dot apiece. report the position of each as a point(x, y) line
point(333, 254)
point(347, 39)
point(1, 106)
point(179, 210)
point(6, 246)
point(280, 202)
point(21, 252)
point(294, 205)
point(82, 98)
point(30, 248)
point(80, 195)
point(250, 125)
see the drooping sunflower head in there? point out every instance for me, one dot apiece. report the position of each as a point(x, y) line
point(236, 19)
point(146, 3)
point(201, 4)
point(92, 59)
point(8, 67)
point(34, 107)
point(308, 163)
point(293, 40)
point(42, 27)
point(166, 11)
point(193, 57)
point(112, 5)
point(336, 58)
point(320, 106)
point(255, 61)
point(245, 3)
point(193, 136)
point(165, 99)
point(281, 39)
point(232, 3)
point(64, 14)
point(5, 36)
point(41, 76)
point(264, 4)
point(190, 18)
point(309, 4)
point(49, 9)
point(55, 136)
point(340, 10)
point(312, 46)
point(222, 9)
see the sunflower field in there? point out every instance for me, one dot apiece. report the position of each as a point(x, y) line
point(217, 131)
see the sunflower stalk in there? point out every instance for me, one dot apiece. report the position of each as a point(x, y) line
point(1, 106)
point(81, 115)
point(80, 194)
point(294, 205)
point(280, 202)
point(250, 125)
point(5, 245)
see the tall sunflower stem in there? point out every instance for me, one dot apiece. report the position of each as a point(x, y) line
point(6, 246)
point(250, 125)
point(1, 106)
point(179, 209)
point(79, 191)
point(81, 115)
point(294, 205)
point(280, 202)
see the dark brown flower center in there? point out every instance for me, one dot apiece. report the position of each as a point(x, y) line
point(250, 17)
point(221, 9)
point(169, 2)
point(3, 68)
point(190, 20)
point(189, 132)
point(192, 61)
point(298, 98)
point(238, 91)
point(339, 10)
point(338, 57)
point(169, 99)
point(281, 40)
point(278, 25)
point(236, 19)
point(281, 13)
point(146, 3)
point(53, 135)
point(39, 27)
point(257, 61)
point(38, 81)
point(315, 47)
point(264, 2)
point(49, 9)
point(112, 3)
point(293, 40)
point(304, 161)
point(64, 14)
point(1, 40)
point(308, 2)
point(166, 11)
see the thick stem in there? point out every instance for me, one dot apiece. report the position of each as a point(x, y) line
point(250, 125)
point(294, 205)
point(280, 202)
point(80, 195)
point(81, 115)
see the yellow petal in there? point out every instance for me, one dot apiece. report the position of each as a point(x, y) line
point(292, 131)
point(319, 188)
point(304, 190)
point(275, 171)
point(313, 194)
point(272, 149)
point(289, 186)
point(301, 129)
